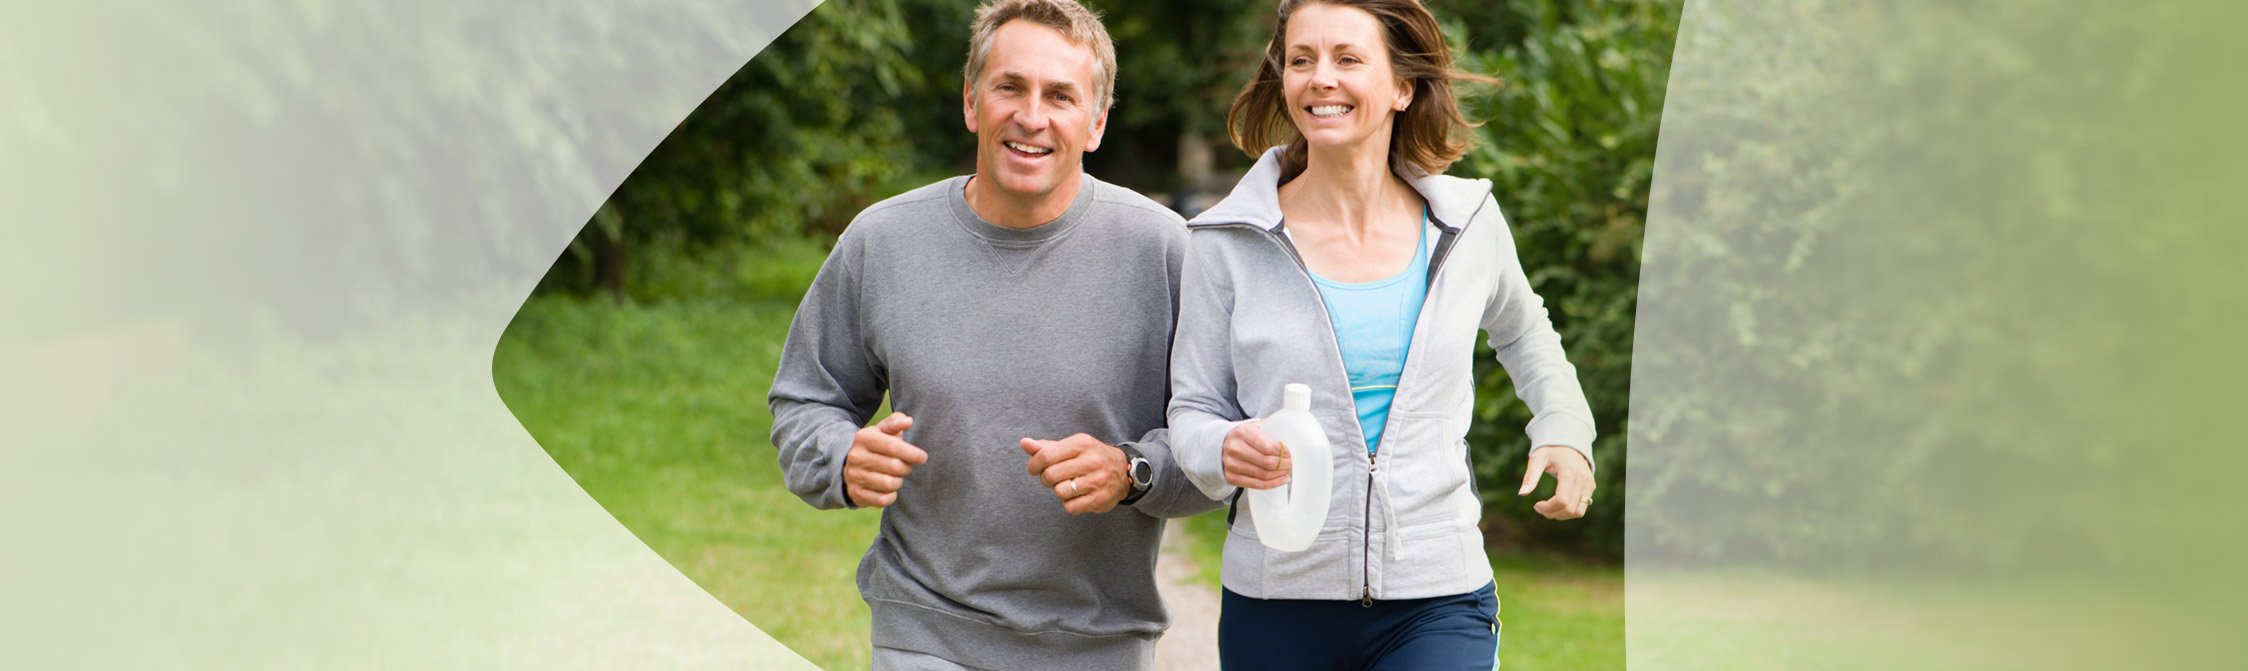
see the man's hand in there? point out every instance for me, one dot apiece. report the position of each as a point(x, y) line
point(1089, 476)
point(1254, 460)
point(1572, 481)
point(879, 461)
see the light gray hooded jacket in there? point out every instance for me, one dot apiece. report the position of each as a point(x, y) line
point(1403, 522)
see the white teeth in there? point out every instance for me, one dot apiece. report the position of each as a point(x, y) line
point(1027, 149)
point(1330, 110)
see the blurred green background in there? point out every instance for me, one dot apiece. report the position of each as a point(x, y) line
point(642, 360)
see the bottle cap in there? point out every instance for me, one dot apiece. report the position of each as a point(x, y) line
point(1296, 397)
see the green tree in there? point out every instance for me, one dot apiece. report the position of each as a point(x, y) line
point(1569, 144)
point(798, 140)
point(1179, 65)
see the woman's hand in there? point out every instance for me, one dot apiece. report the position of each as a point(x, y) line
point(1254, 460)
point(1572, 481)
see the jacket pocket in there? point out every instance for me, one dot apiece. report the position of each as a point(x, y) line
point(1426, 471)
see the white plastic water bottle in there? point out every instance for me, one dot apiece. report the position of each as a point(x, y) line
point(1288, 516)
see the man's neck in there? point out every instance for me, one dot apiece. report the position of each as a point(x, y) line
point(1009, 211)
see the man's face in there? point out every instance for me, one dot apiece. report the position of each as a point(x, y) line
point(1033, 113)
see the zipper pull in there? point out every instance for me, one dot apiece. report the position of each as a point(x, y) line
point(1367, 601)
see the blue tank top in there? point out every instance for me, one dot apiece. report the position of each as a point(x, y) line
point(1374, 327)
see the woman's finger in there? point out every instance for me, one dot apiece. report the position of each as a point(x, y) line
point(1253, 468)
point(1267, 467)
point(1241, 473)
point(1531, 471)
point(1265, 444)
point(1580, 490)
point(1254, 483)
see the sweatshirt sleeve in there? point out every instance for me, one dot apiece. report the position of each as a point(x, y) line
point(1530, 350)
point(828, 385)
point(1172, 495)
point(1204, 406)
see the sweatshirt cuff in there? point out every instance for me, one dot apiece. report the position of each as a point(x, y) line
point(1172, 495)
point(835, 450)
point(1566, 431)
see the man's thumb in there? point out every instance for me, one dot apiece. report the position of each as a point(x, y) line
point(895, 424)
point(1031, 446)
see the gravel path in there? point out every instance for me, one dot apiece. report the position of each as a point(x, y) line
point(1191, 644)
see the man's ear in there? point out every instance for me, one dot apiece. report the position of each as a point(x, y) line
point(968, 106)
point(1100, 126)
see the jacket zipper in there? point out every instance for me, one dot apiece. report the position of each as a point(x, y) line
point(1366, 542)
point(1366, 559)
point(1436, 261)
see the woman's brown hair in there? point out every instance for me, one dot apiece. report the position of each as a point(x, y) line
point(1429, 135)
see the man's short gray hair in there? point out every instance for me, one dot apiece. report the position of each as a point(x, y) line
point(1082, 26)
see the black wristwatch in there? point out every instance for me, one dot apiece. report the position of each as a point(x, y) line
point(1141, 471)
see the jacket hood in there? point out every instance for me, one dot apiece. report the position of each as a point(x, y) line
point(1256, 199)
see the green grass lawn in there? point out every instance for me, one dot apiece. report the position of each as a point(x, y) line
point(658, 410)
point(1558, 614)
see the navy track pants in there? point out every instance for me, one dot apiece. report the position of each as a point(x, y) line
point(1447, 632)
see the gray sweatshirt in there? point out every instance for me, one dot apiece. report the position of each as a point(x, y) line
point(986, 335)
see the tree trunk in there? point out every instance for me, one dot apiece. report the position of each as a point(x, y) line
point(1194, 172)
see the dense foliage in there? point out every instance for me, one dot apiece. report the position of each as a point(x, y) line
point(1569, 144)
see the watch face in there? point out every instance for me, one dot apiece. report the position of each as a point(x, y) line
point(1143, 473)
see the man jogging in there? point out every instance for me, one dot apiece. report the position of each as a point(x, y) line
point(1020, 321)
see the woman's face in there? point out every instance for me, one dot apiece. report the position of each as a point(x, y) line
point(1337, 76)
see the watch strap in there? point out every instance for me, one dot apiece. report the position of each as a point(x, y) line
point(1132, 463)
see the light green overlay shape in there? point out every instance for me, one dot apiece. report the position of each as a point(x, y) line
point(1938, 350)
point(256, 257)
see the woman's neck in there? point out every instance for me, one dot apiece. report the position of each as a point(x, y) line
point(1351, 190)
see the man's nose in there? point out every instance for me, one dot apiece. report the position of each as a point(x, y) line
point(1033, 116)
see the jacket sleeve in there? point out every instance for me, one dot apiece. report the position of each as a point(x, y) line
point(1530, 350)
point(1204, 406)
point(827, 385)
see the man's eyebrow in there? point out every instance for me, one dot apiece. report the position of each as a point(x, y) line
point(1055, 85)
